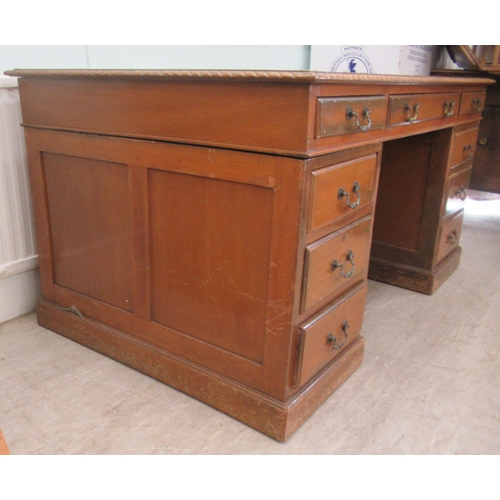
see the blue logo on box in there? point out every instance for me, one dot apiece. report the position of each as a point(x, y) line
point(353, 60)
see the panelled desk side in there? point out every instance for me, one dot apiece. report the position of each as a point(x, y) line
point(213, 229)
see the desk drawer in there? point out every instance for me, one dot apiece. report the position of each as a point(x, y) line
point(339, 258)
point(349, 115)
point(472, 103)
point(457, 185)
point(464, 146)
point(341, 189)
point(416, 108)
point(327, 334)
point(449, 235)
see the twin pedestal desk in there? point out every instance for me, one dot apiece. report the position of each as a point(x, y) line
point(216, 229)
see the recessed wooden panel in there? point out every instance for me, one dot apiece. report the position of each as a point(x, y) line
point(210, 258)
point(89, 211)
point(401, 192)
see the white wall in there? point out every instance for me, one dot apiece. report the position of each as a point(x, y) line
point(42, 56)
point(19, 277)
point(266, 57)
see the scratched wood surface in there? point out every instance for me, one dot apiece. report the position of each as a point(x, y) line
point(187, 222)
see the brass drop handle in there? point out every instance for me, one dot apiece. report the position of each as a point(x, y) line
point(468, 151)
point(349, 113)
point(461, 193)
point(411, 111)
point(448, 108)
point(331, 339)
point(452, 238)
point(476, 105)
point(356, 188)
point(336, 264)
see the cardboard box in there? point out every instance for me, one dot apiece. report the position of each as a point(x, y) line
point(380, 59)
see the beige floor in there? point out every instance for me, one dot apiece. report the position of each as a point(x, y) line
point(429, 383)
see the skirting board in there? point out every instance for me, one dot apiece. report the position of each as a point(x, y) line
point(18, 293)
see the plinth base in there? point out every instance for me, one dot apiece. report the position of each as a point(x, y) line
point(278, 420)
point(414, 278)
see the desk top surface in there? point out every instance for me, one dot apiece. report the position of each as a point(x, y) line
point(250, 75)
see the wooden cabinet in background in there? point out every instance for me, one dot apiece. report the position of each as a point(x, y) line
point(486, 170)
point(481, 61)
point(213, 229)
point(484, 58)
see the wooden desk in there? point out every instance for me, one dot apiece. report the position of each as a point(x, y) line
point(213, 229)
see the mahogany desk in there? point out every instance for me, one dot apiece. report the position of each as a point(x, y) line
point(212, 229)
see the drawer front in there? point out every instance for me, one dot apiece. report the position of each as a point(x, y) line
point(327, 335)
point(335, 260)
point(457, 185)
point(464, 146)
point(341, 189)
point(349, 115)
point(472, 103)
point(449, 235)
point(416, 108)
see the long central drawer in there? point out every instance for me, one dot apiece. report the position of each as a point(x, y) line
point(408, 109)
